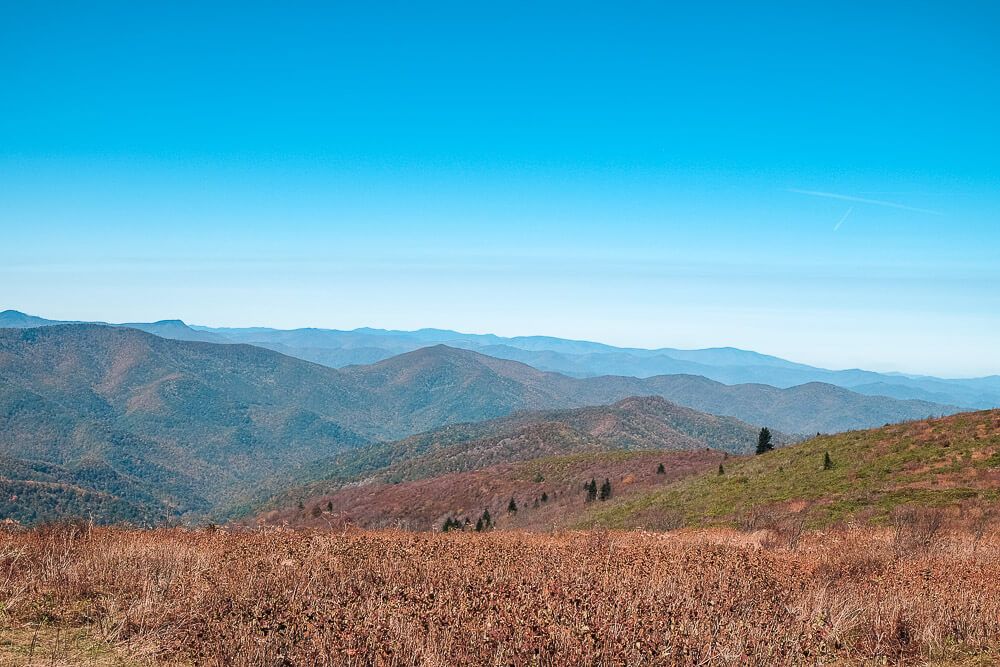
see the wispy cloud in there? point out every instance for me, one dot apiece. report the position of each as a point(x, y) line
point(864, 200)
point(842, 218)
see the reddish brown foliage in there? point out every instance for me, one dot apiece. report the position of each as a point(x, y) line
point(425, 504)
point(361, 598)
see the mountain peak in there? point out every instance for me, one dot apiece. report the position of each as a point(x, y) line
point(17, 319)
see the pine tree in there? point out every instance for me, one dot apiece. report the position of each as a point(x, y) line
point(660, 470)
point(827, 461)
point(591, 490)
point(605, 489)
point(545, 497)
point(512, 506)
point(721, 470)
point(764, 443)
point(479, 525)
point(329, 506)
point(487, 519)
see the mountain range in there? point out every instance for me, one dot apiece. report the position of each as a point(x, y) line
point(337, 348)
point(159, 427)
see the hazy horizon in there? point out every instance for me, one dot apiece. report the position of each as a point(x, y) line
point(793, 180)
point(213, 326)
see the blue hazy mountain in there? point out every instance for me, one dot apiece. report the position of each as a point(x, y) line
point(338, 348)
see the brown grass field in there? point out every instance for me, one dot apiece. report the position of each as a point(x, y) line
point(905, 594)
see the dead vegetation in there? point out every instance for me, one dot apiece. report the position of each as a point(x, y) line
point(906, 594)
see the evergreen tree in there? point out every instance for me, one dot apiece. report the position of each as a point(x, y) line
point(487, 519)
point(479, 525)
point(512, 506)
point(764, 443)
point(545, 497)
point(591, 490)
point(827, 461)
point(660, 470)
point(605, 489)
point(721, 470)
point(301, 506)
point(329, 506)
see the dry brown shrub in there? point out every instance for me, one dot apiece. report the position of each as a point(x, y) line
point(354, 597)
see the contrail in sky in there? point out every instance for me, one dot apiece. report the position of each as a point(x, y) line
point(863, 200)
point(842, 218)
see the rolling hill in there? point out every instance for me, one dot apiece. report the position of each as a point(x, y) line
point(951, 462)
point(633, 424)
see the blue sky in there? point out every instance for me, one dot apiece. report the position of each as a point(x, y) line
point(638, 173)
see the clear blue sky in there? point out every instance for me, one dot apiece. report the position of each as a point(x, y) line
point(633, 173)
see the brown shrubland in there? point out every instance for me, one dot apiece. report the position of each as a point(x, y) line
point(906, 594)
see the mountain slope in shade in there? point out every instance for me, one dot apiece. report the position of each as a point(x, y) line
point(175, 426)
point(951, 463)
point(34, 492)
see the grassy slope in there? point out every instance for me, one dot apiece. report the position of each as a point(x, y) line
point(939, 462)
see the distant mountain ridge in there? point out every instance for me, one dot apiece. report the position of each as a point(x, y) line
point(337, 349)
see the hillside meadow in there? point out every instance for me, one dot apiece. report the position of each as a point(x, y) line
point(951, 464)
point(74, 594)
